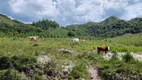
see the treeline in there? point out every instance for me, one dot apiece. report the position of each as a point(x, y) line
point(111, 27)
point(45, 24)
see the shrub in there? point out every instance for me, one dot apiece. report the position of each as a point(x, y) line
point(23, 63)
point(5, 62)
point(50, 68)
point(79, 71)
point(128, 58)
point(37, 77)
point(71, 34)
point(11, 75)
point(95, 58)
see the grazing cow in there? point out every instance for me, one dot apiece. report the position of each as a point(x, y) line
point(74, 41)
point(34, 38)
point(103, 48)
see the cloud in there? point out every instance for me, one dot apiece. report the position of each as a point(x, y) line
point(67, 12)
point(31, 8)
point(132, 11)
point(74, 11)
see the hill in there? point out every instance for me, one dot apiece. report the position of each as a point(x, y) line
point(5, 20)
point(111, 19)
point(10, 27)
point(110, 27)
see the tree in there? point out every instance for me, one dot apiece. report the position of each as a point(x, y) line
point(71, 34)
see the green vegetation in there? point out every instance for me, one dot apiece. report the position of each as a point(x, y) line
point(45, 24)
point(115, 68)
point(127, 69)
point(19, 55)
point(11, 28)
point(20, 60)
point(11, 75)
point(111, 27)
point(79, 71)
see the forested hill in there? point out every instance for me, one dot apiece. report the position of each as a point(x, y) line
point(110, 27)
point(10, 27)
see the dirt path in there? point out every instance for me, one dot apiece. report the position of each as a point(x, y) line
point(93, 71)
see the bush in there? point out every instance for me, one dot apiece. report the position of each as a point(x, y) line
point(5, 62)
point(79, 71)
point(128, 58)
point(24, 64)
point(11, 75)
point(95, 58)
point(71, 34)
point(16, 62)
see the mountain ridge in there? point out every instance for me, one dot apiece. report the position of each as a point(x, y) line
point(110, 27)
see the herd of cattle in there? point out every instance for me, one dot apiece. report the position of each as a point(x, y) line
point(73, 42)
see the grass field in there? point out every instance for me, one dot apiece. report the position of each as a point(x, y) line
point(21, 50)
point(130, 43)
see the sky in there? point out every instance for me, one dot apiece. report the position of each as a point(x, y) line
point(67, 12)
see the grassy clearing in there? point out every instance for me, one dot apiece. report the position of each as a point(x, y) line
point(17, 54)
point(130, 43)
point(20, 55)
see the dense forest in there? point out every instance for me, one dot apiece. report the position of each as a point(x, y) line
point(110, 27)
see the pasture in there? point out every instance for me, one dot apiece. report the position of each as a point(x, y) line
point(23, 47)
point(126, 43)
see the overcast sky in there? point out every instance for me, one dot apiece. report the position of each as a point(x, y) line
point(66, 12)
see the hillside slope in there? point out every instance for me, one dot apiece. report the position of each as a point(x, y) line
point(129, 39)
point(5, 20)
point(15, 27)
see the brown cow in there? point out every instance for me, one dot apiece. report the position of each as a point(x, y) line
point(103, 48)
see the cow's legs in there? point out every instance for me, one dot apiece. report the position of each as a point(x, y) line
point(98, 52)
point(35, 43)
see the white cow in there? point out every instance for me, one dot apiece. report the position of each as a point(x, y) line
point(74, 41)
